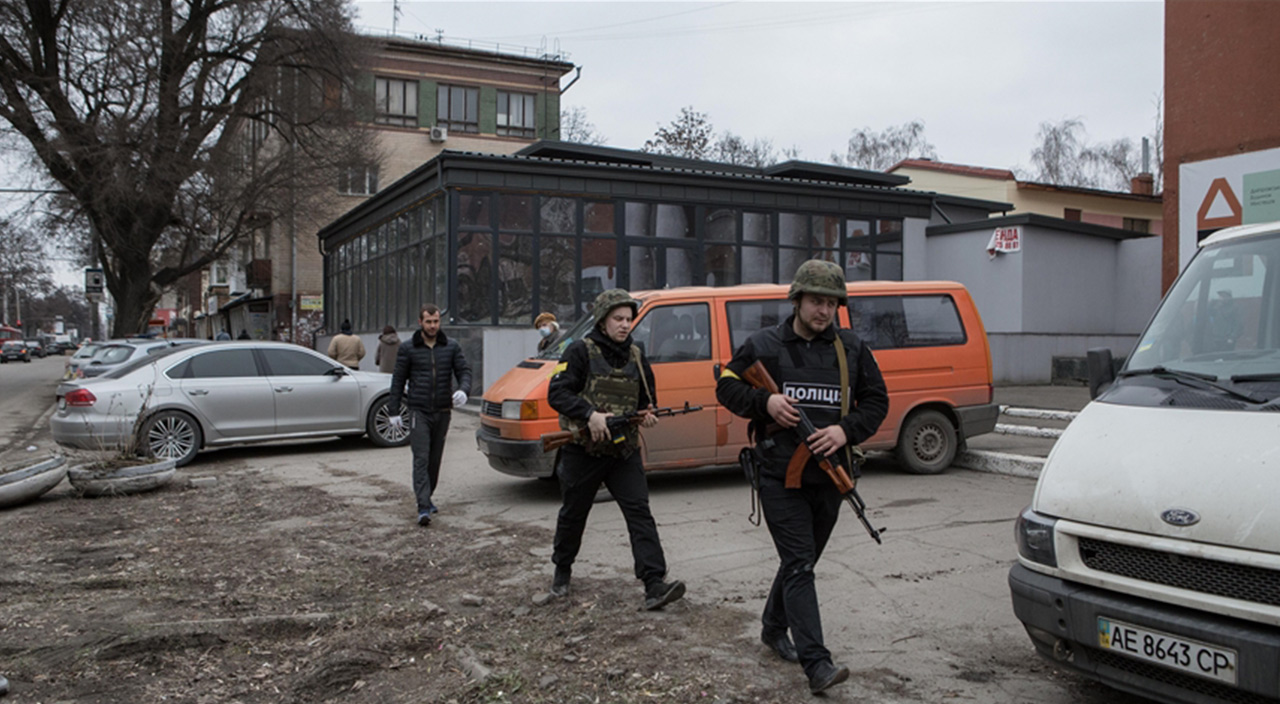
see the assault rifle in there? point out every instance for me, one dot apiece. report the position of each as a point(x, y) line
point(617, 426)
point(758, 376)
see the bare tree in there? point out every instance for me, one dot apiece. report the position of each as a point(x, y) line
point(575, 127)
point(177, 126)
point(878, 151)
point(1064, 157)
point(689, 136)
point(732, 149)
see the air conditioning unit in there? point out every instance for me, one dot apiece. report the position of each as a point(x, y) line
point(439, 134)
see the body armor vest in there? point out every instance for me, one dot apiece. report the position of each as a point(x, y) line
point(613, 391)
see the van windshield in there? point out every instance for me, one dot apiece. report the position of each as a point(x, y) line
point(1221, 320)
point(567, 336)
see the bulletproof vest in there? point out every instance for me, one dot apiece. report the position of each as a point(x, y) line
point(810, 374)
point(610, 390)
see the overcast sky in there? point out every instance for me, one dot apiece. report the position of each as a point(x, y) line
point(981, 76)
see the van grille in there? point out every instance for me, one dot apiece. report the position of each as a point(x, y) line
point(1254, 584)
point(1205, 688)
point(489, 408)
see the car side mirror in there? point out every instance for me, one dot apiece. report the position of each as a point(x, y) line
point(337, 372)
point(1101, 371)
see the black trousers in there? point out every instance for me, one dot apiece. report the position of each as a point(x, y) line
point(800, 522)
point(427, 431)
point(580, 478)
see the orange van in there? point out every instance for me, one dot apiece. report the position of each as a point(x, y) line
point(927, 337)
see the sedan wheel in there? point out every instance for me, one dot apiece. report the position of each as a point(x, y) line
point(172, 436)
point(379, 427)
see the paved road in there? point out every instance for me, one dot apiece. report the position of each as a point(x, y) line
point(26, 396)
point(924, 618)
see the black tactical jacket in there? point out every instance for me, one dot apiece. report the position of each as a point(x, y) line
point(430, 372)
point(808, 371)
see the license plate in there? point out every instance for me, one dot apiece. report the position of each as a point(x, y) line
point(1176, 652)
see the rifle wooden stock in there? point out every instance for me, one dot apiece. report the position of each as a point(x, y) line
point(560, 438)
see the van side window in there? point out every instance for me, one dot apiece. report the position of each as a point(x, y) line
point(675, 333)
point(746, 317)
point(890, 322)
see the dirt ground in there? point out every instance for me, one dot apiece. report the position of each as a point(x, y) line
point(252, 590)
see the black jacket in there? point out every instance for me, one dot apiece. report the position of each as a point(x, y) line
point(430, 372)
point(575, 364)
point(808, 370)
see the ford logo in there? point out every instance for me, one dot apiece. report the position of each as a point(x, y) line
point(1180, 517)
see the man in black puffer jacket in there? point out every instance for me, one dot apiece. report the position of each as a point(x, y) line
point(429, 363)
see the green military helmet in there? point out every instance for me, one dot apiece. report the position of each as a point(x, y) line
point(821, 278)
point(608, 300)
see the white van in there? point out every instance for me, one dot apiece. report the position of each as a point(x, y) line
point(1149, 558)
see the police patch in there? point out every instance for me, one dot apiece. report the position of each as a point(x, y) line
point(813, 395)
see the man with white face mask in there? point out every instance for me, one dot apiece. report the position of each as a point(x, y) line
point(548, 330)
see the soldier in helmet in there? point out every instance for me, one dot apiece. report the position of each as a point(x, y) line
point(602, 375)
point(802, 355)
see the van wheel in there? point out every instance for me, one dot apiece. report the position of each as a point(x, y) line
point(927, 444)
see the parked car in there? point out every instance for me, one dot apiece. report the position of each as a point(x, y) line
point(36, 348)
point(201, 395)
point(14, 351)
point(113, 353)
point(1149, 557)
point(927, 338)
point(82, 356)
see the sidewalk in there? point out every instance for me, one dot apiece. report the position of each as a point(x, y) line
point(1030, 421)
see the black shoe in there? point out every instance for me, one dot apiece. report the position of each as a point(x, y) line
point(424, 519)
point(780, 643)
point(560, 585)
point(659, 594)
point(826, 676)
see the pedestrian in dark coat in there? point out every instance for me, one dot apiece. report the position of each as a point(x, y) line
point(388, 348)
point(429, 364)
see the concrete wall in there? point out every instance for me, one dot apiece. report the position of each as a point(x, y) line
point(1137, 283)
point(1028, 359)
point(995, 284)
point(914, 249)
point(1068, 283)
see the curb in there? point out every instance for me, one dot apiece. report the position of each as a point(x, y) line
point(1000, 463)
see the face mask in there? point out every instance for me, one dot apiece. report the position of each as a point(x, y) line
point(544, 331)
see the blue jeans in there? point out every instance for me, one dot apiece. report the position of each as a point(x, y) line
point(427, 431)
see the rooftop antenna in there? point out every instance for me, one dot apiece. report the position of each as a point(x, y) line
point(395, 15)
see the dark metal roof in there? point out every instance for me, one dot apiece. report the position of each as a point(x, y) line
point(1046, 221)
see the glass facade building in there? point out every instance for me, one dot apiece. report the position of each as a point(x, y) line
point(494, 240)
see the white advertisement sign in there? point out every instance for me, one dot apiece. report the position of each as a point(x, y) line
point(1232, 190)
point(1004, 240)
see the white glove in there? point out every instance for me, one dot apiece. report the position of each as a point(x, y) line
point(459, 398)
point(395, 422)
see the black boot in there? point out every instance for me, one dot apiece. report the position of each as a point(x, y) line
point(659, 594)
point(780, 643)
point(560, 584)
point(826, 675)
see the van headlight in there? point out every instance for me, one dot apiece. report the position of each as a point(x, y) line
point(1034, 534)
point(520, 410)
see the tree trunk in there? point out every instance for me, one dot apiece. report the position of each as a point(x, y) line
point(135, 298)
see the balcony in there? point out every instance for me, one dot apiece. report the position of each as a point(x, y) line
point(258, 275)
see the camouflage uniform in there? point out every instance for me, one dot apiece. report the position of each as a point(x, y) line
point(801, 520)
point(596, 373)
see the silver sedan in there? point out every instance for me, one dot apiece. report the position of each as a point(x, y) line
point(214, 394)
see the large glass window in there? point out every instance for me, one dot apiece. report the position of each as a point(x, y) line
point(475, 277)
point(515, 278)
point(599, 268)
point(458, 108)
point(221, 364)
point(558, 277)
point(358, 180)
point(285, 362)
point(516, 114)
point(720, 257)
point(558, 215)
point(396, 102)
point(659, 220)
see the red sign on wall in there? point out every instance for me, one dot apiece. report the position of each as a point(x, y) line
point(1005, 240)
